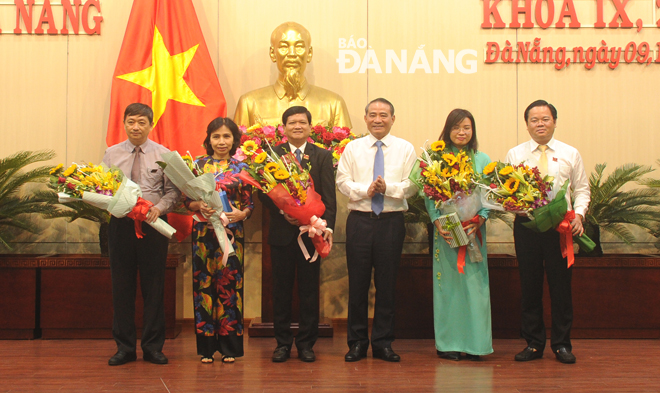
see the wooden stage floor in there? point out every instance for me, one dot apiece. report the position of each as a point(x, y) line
point(81, 366)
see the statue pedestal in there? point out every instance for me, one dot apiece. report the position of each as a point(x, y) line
point(263, 327)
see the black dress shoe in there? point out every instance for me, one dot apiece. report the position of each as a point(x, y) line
point(357, 352)
point(122, 357)
point(281, 354)
point(155, 357)
point(386, 354)
point(474, 358)
point(528, 354)
point(306, 355)
point(449, 355)
point(565, 356)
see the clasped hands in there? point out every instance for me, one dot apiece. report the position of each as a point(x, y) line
point(378, 186)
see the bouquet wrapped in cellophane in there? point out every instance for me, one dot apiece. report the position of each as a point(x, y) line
point(520, 189)
point(291, 189)
point(108, 189)
point(555, 215)
point(514, 188)
point(199, 186)
point(447, 178)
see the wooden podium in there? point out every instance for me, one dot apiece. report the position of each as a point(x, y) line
point(263, 327)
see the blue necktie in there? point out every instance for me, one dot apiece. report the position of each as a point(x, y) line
point(299, 155)
point(377, 201)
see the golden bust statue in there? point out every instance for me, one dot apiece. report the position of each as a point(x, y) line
point(290, 48)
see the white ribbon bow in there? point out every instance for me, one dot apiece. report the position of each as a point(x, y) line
point(316, 227)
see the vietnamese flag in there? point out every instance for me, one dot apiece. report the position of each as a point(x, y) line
point(164, 62)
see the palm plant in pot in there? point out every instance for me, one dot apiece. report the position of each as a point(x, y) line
point(613, 210)
point(75, 210)
point(16, 205)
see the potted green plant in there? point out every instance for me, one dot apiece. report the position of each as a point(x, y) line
point(613, 210)
point(17, 206)
point(75, 210)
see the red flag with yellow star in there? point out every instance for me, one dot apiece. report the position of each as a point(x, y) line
point(164, 63)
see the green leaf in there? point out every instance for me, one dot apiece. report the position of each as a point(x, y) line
point(615, 210)
point(17, 201)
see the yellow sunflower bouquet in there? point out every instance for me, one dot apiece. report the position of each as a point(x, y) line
point(514, 188)
point(291, 189)
point(267, 171)
point(447, 177)
point(78, 179)
point(441, 174)
point(107, 189)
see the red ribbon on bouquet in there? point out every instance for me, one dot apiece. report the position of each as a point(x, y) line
point(462, 250)
point(139, 214)
point(566, 237)
point(313, 207)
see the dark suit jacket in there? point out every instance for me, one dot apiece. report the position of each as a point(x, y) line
point(281, 232)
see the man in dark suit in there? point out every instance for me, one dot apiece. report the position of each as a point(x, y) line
point(286, 254)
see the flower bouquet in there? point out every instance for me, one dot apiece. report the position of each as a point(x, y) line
point(447, 178)
point(199, 186)
point(555, 215)
point(259, 137)
point(520, 189)
point(333, 139)
point(106, 189)
point(515, 188)
point(291, 189)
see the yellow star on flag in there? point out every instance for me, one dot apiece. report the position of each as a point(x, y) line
point(165, 77)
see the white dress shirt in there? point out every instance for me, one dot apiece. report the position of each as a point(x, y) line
point(564, 163)
point(355, 172)
point(293, 148)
